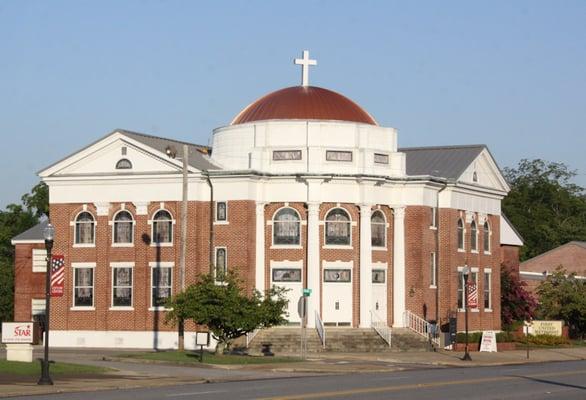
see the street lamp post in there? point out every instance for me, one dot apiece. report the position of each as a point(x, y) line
point(49, 234)
point(466, 272)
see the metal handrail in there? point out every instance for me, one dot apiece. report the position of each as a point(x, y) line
point(321, 331)
point(420, 326)
point(380, 326)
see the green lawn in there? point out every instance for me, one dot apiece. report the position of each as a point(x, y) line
point(189, 357)
point(34, 368)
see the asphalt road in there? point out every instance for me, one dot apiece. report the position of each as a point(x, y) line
point(563, 380)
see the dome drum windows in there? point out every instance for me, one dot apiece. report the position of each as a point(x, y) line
point(85, 229)
point(338, 228)
point(336, 155)
point(287, 227)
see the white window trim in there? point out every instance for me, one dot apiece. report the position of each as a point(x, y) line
point(216, 222)
point(384, 248)
point(113, 266)
point(91, 265)
point(433, 218)
point(297, 265)
point(489, 272)
point(433, 279)
point(43, 253)
point(474, 251)
point(324, 222)
point(380, 266)
point(152, 266)
point(113, 223)
point(151, 223)
point(285, 246)
point(461, 249)
point(472, 269)
point(216, 248)
point(489, 252)
point(74, 224)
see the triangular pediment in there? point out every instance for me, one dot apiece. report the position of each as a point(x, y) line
point(105, 156)
point(484, 171)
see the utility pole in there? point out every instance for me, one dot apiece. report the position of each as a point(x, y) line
point(183, 255)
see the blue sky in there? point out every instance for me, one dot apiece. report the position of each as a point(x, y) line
point(508, 74)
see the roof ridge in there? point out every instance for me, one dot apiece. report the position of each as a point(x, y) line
point(443, 147)
point(160, 138)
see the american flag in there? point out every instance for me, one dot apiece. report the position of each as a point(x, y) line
point(472, 299)
point(57, 275)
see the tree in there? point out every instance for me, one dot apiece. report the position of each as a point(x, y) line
point(563, 297)
point(544, 205)
point(517, 304)
point(225, 309)
point(37, 201)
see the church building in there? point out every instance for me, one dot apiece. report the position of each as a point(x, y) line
point(302, 189)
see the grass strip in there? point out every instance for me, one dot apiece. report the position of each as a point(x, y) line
point(189, 357)
point(58, 368)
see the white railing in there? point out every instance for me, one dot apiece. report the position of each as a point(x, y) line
point(250, 336)
point(321, 332)
point(380, 326)
point(420, 326)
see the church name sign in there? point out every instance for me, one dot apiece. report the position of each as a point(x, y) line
point(19, 332)
point(553, 328)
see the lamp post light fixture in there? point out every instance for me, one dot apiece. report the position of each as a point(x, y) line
point(466, 273)
point(49, 235)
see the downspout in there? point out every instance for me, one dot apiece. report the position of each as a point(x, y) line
point(211, 222)
point(437, 254)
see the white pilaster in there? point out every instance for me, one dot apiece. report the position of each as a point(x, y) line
point(313, 267)
point(260, 247)
point(365, 265)
point(399, 291)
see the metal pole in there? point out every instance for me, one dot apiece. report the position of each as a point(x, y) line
point(466, 353)
point(45, 377)
point(527, 339)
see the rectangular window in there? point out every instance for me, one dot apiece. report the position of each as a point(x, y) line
point(461, 292)
point(39, 260)
point(286, 275)
point(432, 270)
point(381, 158)
point(433, 222)
point(38, 307)
point(122, 287)
point(286, 155)
point(161, 280)
point(332, 155)
point(221, 263)
point(83, 287)
point(337, 275)
point(487, 290)
point(221, 211)
point(379, 276)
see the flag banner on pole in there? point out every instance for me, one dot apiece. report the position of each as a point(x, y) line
point(57, 275)
point(472, 294)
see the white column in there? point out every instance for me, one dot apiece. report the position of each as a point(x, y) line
point(365, 265)
point(260, 247)
point(399, 290)
point(313, 267)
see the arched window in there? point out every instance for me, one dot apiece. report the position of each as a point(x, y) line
point(338, 227)
point(123, 227)
point(84, 228)
point(460, 234)
point(486, 237)
point(286, 227)
point(124, 163)
point(473, 236)
point(378, 229)
point(162, 227)
point(221, 265)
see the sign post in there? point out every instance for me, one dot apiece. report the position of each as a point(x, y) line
point(302, 311)
point(19, 338)
point(202, 339)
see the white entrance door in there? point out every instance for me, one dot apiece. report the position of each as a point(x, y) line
point(290, 279)
point(379, 292)
point(337, 296)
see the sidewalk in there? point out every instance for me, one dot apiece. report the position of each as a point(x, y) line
point(138, 373)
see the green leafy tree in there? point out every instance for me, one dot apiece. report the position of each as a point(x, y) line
point(225, 309)
point(37, 201)
point(517, 304)
point(544, 205)
point(563, 297)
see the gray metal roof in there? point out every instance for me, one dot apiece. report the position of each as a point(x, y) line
point(197, 153)
point(33, 234)
point(441, 161)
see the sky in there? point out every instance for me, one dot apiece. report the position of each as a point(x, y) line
point(511, 75)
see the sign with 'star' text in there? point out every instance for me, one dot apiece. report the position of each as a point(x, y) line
point(18, 332)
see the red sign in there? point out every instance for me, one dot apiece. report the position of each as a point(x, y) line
point(57, 275)
point(472, 299)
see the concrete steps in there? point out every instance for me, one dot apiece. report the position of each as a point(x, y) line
point(346, 340)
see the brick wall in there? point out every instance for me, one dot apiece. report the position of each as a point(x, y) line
point(28, 285)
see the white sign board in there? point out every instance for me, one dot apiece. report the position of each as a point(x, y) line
point(553, 328)
point(202, 338)
point(488, 342)
point(18, 332)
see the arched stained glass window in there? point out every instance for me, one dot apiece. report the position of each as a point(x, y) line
point(286, 227)
point(338, 227)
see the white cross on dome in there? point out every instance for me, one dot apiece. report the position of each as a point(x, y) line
point(305, 62)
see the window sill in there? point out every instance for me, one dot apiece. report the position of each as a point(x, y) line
point(83, 245)
point(122, 244)
point(162, 244)
point(474, 251)
point(121, 309)
point(432, 286)
point(80, 308)
point(473, 310)
point(379, 249)
point(488, 310)
point(38, 271)
point(221, 223)
point(487, 253)
point(337, 246)
point(433, 228)
point(159, 309)
point(461, 250)
point(286, 246)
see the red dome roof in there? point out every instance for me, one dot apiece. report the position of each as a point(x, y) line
point(304, 102)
